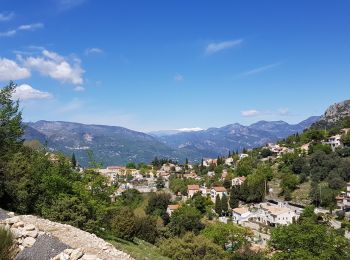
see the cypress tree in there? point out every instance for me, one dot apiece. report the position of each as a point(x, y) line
point(74, 161)
point(224, 204)
point(234, 195)
point(218, 206)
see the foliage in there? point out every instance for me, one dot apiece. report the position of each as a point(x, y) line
point(158, 203)
point(227, 235)
point(224, 204)
point(146, 229)
point(218, 205)
point(6, 244)
point(199, 202)
point(185, 219)
point(308, 240)
point(193, 247)
point(123, 224)
point(346, 139)
point(131, 198)
point(234, 197)
point(160, 184)
point(245, 167)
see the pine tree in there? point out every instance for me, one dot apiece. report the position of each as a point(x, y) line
point(218, 206)
point(74, 161)
point(229, 154)
point(224, 204)
point(234, 197)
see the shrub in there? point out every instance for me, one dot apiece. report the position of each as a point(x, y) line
point(6, 244)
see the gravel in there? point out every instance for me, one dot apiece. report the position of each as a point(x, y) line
point(44, 248)
point(3, 214)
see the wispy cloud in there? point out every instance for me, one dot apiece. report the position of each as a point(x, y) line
point(10, 70)
point(24, 27)
point(6, 16)
point(55, 66)
point(90, 51)
point(79, 89)
point(220, 46)
point(190, 129)
point(69, 4)
point(261, 69)
point(251, 113)
point(27, 92)
point(178, 77)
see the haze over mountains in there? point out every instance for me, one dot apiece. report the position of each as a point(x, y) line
point(118, 145)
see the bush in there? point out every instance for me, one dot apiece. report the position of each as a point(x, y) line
point(6, 244)
point(124, 224)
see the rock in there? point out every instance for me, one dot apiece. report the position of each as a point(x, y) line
point(12, 220)
point(76, 254)
point(33, 233)
point(17, 233)
point(11, 214)
point(29, 227)
point(28, 242)
point(63, 256)
point(21, 247)
point(90, 257)
point(18, 224)
point(68, 251)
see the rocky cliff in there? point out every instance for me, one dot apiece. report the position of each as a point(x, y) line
point(41, 239)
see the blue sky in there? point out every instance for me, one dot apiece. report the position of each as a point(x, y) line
point(150, 65)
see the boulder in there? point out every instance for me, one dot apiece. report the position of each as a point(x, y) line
point(33, 233)
point(17, 233)
point(28, 242)
point(29, 227)
point(76, 254)
point(68, 251)
point(90, 257)
point(12, 220)
point(18, 224)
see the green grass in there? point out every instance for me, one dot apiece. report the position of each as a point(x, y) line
point(301, 194)
point(139, 249)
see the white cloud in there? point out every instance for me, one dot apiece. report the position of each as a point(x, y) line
point(8, 33)
point(27, 92)
point(30, 27)
point(74, 105)
point(55, 66)
point(10, 70)
point(178, 77)
point(261, 69)
point(90, 51)
point(79, 89)
point(7, 16)
point(69, 4)
point(24, 27)
point(220, 46)
point(191, 129)
point(250, 113)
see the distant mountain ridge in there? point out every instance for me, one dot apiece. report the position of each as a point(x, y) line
point(119, 145)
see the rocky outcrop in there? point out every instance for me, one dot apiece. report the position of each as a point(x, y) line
point(41, 239)
point(337, 111)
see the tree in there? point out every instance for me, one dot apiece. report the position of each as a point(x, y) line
point(185, 219)
point(245, 167)
point(224, 204)
point(227, 235)
point(234, 197)
point(200, 202)
point(345, 139)
point(218, 205)
point(74, 161)
point(308, 240)
point(147, 229)
point(160, 184)
point(11, 129)
point(157, 204)
point(227, 184)
point(192, 247)
point(123, 224)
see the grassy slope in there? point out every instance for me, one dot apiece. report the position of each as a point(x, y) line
point(139, 249)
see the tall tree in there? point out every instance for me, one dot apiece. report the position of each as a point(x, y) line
point(234, 197)
point(74, 161)
point(218, 206)
point(224, 204)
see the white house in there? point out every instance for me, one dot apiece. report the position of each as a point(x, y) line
point(240, 215)
point(334, 141)
point(217, 191)
point(243, 155)
point(171, 208)
point(238, 180)
point(274, 215)
point(192, 189)
point(229, 161)
point(346, 199)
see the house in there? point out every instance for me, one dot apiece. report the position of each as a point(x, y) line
point(171, 208)
point(238, 180)
point(229, 161)
point(346, 199)
point(223, 175)
point(211, 174)
point(217, 191)
point(334, 141)
point(274, 215)
point(305, 147)
point(240, 215)
point(205, 191)
point(243, 155)
point(192, 189)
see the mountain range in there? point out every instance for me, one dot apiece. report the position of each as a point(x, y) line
point(118, 145)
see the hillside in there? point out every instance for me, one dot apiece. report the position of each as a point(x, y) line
point(118, 145)
point(333, 115)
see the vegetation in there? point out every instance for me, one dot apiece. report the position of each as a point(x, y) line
point(6, 244)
